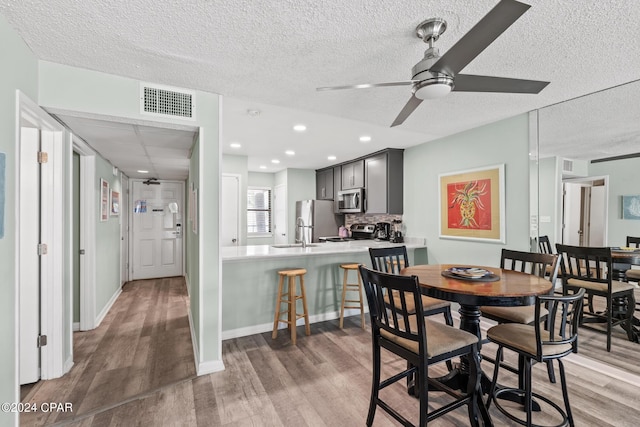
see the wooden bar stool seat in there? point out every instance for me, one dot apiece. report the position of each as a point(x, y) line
point(351, 287)
point(290, 298)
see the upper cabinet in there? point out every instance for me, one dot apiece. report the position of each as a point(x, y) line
point(383, 182)
point(353, 175)
point(324, 184)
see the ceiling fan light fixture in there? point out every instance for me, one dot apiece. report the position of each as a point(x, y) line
point(434, 88)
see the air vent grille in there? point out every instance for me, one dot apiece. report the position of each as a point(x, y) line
point(167, 102)
point(567, 165)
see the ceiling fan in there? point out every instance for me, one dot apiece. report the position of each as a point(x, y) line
point(435, 76)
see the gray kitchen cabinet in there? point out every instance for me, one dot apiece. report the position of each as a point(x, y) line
point(353, 175)
point(337, 186)
point(324, 184)
point(383, 182)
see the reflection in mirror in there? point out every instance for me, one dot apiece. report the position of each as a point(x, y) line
point(588, 158)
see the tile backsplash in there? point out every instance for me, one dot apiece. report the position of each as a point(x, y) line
point(350, 219)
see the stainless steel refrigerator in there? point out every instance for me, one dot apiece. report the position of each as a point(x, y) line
point(318, 218)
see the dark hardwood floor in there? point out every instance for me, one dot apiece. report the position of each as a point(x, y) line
point(137, 369)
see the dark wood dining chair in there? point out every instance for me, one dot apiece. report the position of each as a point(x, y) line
point(590, 268)
point(633, 275)
point(535, 344)
point(422, 343)
point(544, 245)
point(530, 263)
point(392, 260)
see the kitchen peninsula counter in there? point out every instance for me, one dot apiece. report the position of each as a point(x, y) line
point(250, 280)
point(244, 253)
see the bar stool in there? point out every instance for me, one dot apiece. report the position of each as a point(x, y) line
point(290, 300)
point(351, 287)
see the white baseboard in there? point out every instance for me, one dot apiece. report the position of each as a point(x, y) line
point(68, 364)
point(107, 307)
point(266, 327)
point(76, 326)
point(202, 368)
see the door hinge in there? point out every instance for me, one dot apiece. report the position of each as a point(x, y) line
point(43, 157)
point(42, 248)
point(42, 340)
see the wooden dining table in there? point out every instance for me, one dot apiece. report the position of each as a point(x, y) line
point(511, 288)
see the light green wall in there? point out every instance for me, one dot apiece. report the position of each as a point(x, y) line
point(76, 237)
point(623, 181)
point(505, 142)
point(74, 90)
point(550, 200)
point(19, 71)
point(108, 241)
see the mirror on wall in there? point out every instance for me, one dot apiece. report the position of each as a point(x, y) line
point(585, 157)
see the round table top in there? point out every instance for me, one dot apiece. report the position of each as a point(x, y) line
point(513, 289)
point(626, 257)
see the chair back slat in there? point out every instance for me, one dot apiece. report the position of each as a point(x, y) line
point(531, 263)
point(389, 260)
point(563, 321)
point(387, 315)
point(544, 245)
point(585, 263)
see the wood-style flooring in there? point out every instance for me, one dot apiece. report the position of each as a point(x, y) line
point(137, 369)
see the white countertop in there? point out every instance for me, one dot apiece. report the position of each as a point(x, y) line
point(238, 253)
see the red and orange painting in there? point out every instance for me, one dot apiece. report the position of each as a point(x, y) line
point(472, 204)
point(469, 204)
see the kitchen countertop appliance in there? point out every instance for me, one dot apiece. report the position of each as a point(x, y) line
point(363, 231)
point(396, 234)
point(383, 231)
point(317, 219)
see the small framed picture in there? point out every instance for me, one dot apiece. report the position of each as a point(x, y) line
point(115, 203)
point(104, 200)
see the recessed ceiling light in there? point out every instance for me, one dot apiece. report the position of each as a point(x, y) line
point(235, 145)
point(365, 138)
point(331, 157)
point(143, 171)
point(276, 161)
point(263, 167)
point(299, 128)
point(290, 153)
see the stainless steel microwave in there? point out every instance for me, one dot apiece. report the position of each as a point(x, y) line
point(351, 201)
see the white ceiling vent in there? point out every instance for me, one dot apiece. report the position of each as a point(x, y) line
point(567, 165)
point(167, 101)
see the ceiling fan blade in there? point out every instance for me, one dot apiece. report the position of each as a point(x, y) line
point(368, 85)
point(407, 110)
point(480, 36)
point(471, 83)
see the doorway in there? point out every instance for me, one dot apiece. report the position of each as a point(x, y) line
point(585, 211)
point(230, 215)
point(157, 249)
point(43, 314)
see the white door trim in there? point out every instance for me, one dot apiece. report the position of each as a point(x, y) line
point(53, 233)
point(87, 234)
point(587, 180)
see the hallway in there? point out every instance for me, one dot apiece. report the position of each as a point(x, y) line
point(144, 343)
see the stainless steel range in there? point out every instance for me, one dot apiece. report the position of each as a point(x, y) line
point(363, 231)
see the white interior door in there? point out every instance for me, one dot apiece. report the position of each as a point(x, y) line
point(157, 229)
point(280, 215)
point(29, 264)
point(124, 229)
point(572, 231)
point(230, 215)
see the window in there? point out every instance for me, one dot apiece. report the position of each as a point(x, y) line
point(258, 210)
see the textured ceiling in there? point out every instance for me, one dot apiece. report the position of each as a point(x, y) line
point(275, 53)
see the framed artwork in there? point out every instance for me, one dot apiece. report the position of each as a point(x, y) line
point(115, 203)
point(472, 205)
point(104, 200)
point(631, 207)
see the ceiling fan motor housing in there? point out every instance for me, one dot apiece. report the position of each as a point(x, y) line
point(432, 84)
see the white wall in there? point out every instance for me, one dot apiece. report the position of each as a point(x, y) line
point(505, 142)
